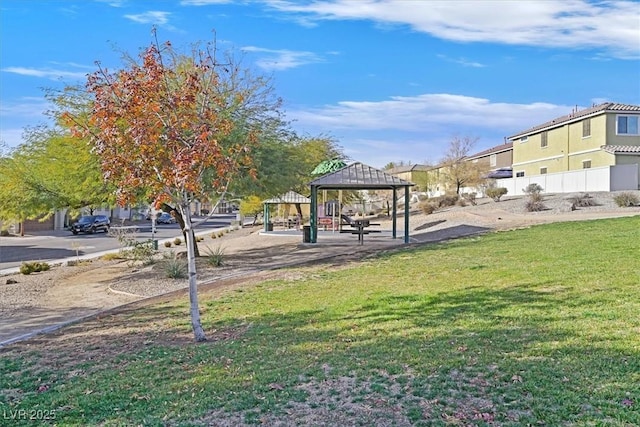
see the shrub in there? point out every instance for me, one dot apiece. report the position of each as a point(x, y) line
point(427, 208)
point(177, 241)
point(140, 251)
point(495, 193)
point(534, 204)
point(626, 199)
point(448, 200)
point(582, 200)
point(33, 267)
point(532, 189)
point(4, 233)
point(470, 197)
point(215, 257)
point(214, 236)
point(175, 268)
point(220, 233)
point(167, 244)
point(111, 256)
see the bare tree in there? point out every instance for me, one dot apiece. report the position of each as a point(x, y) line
point(457, 170)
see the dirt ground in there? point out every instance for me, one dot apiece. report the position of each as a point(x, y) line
point(44, 301)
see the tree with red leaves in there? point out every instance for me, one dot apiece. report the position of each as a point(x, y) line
point(164, 127)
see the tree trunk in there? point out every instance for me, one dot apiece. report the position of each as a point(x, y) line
point(198, 332)
point(180, 219)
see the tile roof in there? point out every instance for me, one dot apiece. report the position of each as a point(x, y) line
point(289, 197)
point(622, 149)
point(497, 149)
point(359, 176)
point(578, 115)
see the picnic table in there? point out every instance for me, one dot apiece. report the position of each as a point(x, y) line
point(360, 227)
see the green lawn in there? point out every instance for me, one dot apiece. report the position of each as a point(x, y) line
point(539, 326)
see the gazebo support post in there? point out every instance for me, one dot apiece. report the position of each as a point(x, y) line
point(313, 219)
point(406, 214)
point(394, 215)
point(265, 215)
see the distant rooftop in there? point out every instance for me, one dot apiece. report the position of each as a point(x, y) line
point(493, 150)
point(408, 168)
point(579, 115)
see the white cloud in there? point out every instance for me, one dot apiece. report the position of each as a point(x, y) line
point(272, 59)
point(150, 17)
point(27, 107)
point(203, 2)
point(48, 73)
point(427, 112)
point(418, 128)
point(462, 61)
point(608, 26)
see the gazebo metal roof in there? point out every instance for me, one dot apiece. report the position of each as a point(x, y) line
point(289, 197)
point(359, 176)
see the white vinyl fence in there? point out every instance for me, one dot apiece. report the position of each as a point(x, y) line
point(607, 178)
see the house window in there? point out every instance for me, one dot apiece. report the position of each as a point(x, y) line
point(627, 125)
point(519, 174)
point(543, 170)
point(544, 140)
point(524, 139)
point(586, 164)
point(492, 160)
point(586, 128)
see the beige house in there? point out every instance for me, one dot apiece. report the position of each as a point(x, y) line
point(495, 159)
point(603, 137)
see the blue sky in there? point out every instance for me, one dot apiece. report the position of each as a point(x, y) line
point(389, 80)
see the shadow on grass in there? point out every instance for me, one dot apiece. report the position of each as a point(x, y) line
point(503, 354)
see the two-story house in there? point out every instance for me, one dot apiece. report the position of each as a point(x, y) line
point(496, 160)
point(605, 137)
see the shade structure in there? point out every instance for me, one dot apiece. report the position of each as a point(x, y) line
point(290, 197)
point(358, 176)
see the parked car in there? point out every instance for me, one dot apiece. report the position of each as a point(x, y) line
point(165, 218)
point(90, 224)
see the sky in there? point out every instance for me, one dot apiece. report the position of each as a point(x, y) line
point(389, 81)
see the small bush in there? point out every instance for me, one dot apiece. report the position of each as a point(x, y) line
point(495, 193)
point(167, 244)
point(448, 200)
point(215, 257)
point(470, 197)
point(140, 251)
point(177, 241)
point(427, 208)
point(4, 233)
point(532, 189)
point(582, 200)
point(214, 236)
point(220, 233)
point(175, 268)
point(34, 267)
point(626, 199)
point(461, 202)
point(111, 256)
point(534, 204)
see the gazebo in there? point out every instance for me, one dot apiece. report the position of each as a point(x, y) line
point(290, 197)
point(358, 176)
